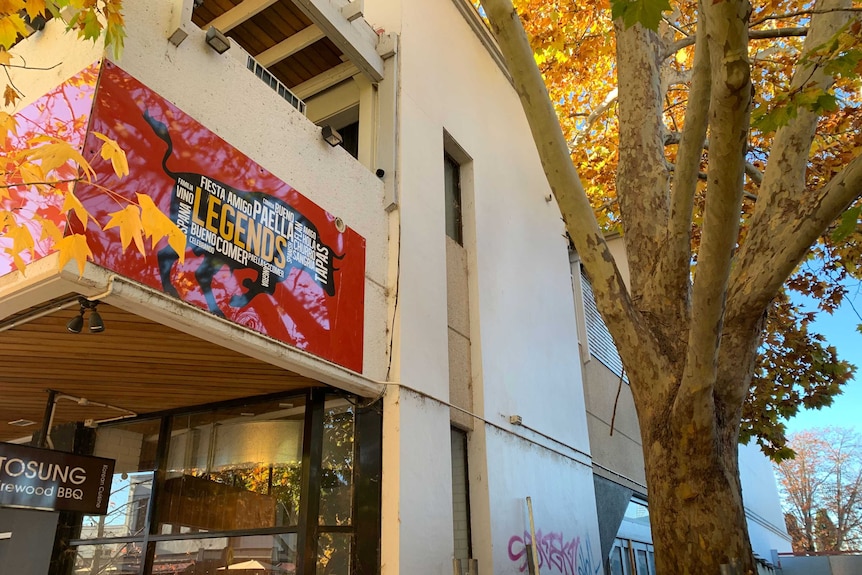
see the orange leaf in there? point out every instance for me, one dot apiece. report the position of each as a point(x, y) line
point(129, 221)
point(74, 247)
point(113, 152)
point(10, 95)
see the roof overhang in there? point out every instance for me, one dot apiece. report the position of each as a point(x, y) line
point(156, 353)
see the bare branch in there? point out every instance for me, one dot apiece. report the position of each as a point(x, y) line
point(752, 34)
point(594, 115)
point(787, 15)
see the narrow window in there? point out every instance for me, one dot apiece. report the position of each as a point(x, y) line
point(460, 497)
point(453, 198)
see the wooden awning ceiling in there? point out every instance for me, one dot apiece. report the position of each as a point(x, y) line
point(282, 38)
point(135, 365)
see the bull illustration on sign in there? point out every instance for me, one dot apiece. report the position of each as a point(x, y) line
point(241, 230)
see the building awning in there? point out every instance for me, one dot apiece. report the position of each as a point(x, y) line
point(155, 354)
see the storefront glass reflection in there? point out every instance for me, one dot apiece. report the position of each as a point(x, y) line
point(233, 470)
point(227, 485)
point(133, 447)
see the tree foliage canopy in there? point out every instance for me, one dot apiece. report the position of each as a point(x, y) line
point(575, 49)
point(721, 138)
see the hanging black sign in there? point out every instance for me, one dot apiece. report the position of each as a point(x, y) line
point(52, 480)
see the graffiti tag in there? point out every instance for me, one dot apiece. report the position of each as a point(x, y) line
point(556, 553)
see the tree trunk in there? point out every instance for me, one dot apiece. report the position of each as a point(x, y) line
point(696, 511)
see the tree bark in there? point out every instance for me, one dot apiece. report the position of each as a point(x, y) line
point(696, 512)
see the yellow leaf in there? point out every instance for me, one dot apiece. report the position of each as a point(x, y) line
point(49, 229)
point(31, 173)
point(113, 152)
point(74, 246)
point(21, 238)
point(5, 57)
point(11, 25)
point(10, 95)
point(129, 221)
point(157, 225)
point(71, 203)
point(35, 7)
point(8, 125)
point(58, 153)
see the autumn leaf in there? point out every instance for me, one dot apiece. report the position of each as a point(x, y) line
point(5, 58)
point(35, 7)
point(156, 225)
point(10, 96)
point(74, 246)
point(22, 240)
point(56, 153)
point(11, 26)
point(129, 221)
point(71, 203)
point(49, 229)
point(8, 126)
point(112, 151)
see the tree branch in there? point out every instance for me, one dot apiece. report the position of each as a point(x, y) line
point(787, 15)
point(675, 260)
point(783, 190)
point(730, 107)
point(771, 251)
point(642, 178)
point(594, 115)
point(612, 296)
point(752, 35)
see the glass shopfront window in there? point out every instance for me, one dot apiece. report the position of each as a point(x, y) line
point(235, 469)
point(133, 448)
point(220, 491)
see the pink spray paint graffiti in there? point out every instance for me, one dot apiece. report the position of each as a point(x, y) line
point(556, 553)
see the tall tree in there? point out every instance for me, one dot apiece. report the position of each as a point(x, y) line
point(821, 489)
point(689, 336)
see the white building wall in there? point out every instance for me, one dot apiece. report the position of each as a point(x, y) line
point(523, 331)
point(766, 526)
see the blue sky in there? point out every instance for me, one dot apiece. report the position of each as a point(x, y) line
point(840, 331)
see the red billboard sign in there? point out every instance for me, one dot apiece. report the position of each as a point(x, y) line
point(257, 252)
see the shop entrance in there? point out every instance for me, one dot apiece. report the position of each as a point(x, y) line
point(225, 465)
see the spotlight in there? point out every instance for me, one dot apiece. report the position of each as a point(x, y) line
point(76, 323)
point(217, 41)
point(332, 137)
point(96, 323)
